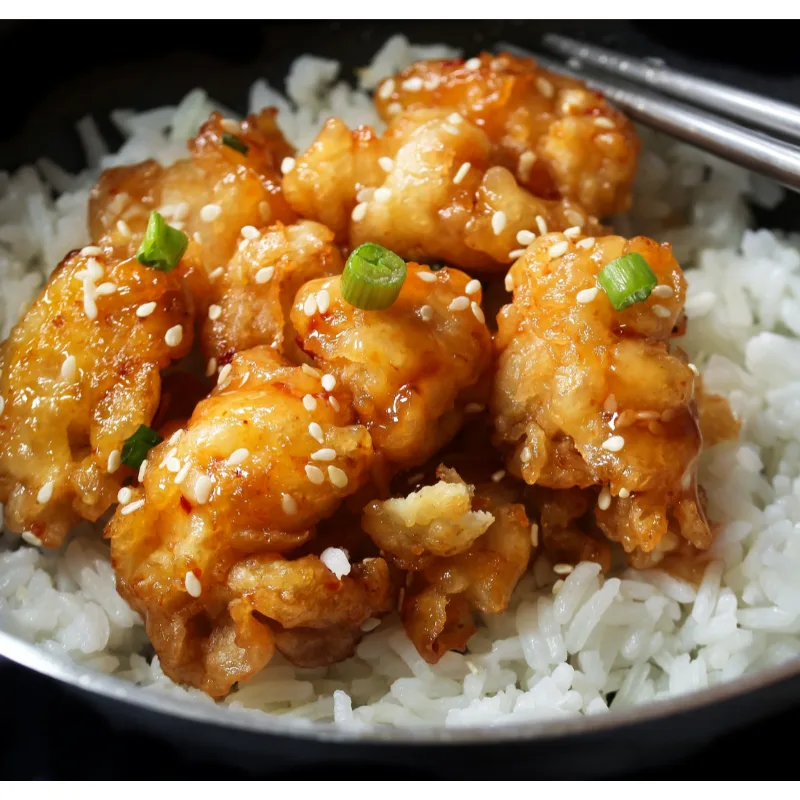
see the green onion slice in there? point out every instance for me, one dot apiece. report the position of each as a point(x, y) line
point(372, 277)
point(627, 280)
point(136, 447)
point(235, 143)
point(162, 247)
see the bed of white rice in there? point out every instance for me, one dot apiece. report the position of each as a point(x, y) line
point(599, 643)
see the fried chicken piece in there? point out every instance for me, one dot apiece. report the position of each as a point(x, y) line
point(560, 139)
point(462, 556)
point(427, 189)
point(586, 395)
point(413, 368)
point(202, 556)
point(80, 373)
point(254, 293)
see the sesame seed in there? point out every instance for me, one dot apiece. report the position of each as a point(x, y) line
point(586, 244)
point(173, 465)
point(106, 288)
point(31, 538)
point(142, 470)
point(365, 195)
point(427, 277)
point(167, 210)
point(328, 383)
point(604, 122)
point(123, 228)
point(131, 507)
point(610, 405)
point(202, 489)
point(91, 250)
point(574, 217)
point(338, 477)
point(413, 84)
point(478, 312)
point(515, 254)
point(174, 336)
point(656, 428)
point(171, 454)
point(604, 499)
point(214, 312)
point(624, 493)
point(335, 559)
point(175, 436)
point(145, 310)
point(230, 125)
point(525, 165)
point(250, 232)
point(89, 305)
point(472, 287)
point(210, 212)
point(474, 408)
point(310, 305)
point(114, 460)
point(334, 403)
point(426, 312)
point(382, 195)
point(472, 64)
point(587, 295)
point(661, 311)
point(193, 586)
point(359, 212)
point(558, 249)
point(525, 237)
point(314, 474)
point(525, 455)
point(558, 586)
point(498, 222)
point(264, 275)
point(315, 430)
point(323, 301)
point(499, 475)
point(182, 473)
point(663, 291)
point(386, 163)
point(386, 90)
point(462, 172)
point(508, 282)
point(197, 237)
point(215, 273)
point(182, 210)
point(265, 210)
point(211, 367)
point(544, 86)
point(394, 108)
point(237, 456)
point(45, 493)
point(288, 504)
point(309, 402)
point(223, 374)
point(370, 624)
point(534, 534)
point(94, 269)
point(693, 368)
point(541, 224)
point(124, 495)
point(309, 370)
point(287, 165)
point(563, 569)
point(459, 304)
point(325, 454)
point(455, 118)
point(613, 444)
point(69, 369)
point(573, 233)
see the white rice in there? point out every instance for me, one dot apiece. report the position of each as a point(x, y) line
point(629, 638)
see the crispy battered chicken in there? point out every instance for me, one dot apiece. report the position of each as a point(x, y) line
point(80, 373)
point(413, 368)
point(589, 396)
point(556, 136)
point(199, 549)
point(428, 189)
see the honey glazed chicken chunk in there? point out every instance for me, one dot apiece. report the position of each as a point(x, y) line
point(412, 369)
point(588, 396)
point(555, 135)
point(80, 373)
point(203, 549)
point(427, 189)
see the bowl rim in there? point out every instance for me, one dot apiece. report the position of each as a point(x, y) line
point(254, 721)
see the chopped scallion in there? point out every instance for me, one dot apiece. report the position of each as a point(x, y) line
point(235, 143)
point(136, 447)
point(163, 246)
point(627, 280)
point(372, 277)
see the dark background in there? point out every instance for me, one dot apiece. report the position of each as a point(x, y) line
point(48, 732)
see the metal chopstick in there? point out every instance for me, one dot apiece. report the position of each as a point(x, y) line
point(754, 151)
point(763, 112)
